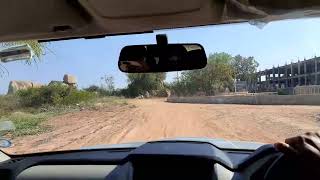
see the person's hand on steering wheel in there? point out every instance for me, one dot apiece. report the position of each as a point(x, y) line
point(306, 150)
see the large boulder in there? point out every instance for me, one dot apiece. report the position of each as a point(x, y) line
point(168, 92)
point(147, 94)
point(69, 79)
point(15, 86)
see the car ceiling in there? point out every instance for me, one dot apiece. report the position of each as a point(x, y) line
point(47, 20)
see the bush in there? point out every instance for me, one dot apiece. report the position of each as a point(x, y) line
point(52, 95)
point(27, 124)
point(34, 97)
point(160, 93)
point(8, 104)
point(182, 89)
point(99, 90)
point(76, 96)
point(92, 88)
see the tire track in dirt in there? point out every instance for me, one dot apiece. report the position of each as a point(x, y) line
point(155, 119)
point(72, 130)
point(111, 124)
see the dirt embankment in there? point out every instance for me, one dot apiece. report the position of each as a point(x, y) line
point(145, 120)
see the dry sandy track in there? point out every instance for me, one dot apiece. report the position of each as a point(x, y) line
point(155, 119)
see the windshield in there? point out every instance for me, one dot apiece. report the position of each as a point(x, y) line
point(261, 84)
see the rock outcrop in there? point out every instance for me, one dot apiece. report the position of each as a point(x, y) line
point(69, 79)
point(15, 86)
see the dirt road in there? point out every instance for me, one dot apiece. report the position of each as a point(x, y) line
point(144, 120)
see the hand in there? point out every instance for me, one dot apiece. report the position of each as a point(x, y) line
point(306, 150)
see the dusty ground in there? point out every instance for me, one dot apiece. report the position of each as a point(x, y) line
point(144, 120)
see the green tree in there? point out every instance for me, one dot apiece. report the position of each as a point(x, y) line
point(214, 78)
point(140, 83)
point(245, 68)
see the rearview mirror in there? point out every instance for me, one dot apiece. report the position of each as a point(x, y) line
point(155, 58)
point(15, 53)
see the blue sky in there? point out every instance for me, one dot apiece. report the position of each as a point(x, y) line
point(276, 43)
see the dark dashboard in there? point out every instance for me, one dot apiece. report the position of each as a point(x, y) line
point(153, 160)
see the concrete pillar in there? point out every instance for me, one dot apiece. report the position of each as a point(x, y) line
point(299, 73)
point(286, 75)
point(279, 84)
point(305, 72)
point(266, 84)
point(259, 77)
point(268, 79)
point(316, 71)
point(273, 79)
point(292, 75)
point(260, 83)
point(259, 80)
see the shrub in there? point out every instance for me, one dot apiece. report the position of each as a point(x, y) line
point(52, 95)
point(26, 123)
point(8, 104)
point(99, 90)
point(76, 96)
point(92, 88)
point(121, 93)
point(34, 97)
point(160, 93)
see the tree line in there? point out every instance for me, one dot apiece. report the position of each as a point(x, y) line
point(218, 76)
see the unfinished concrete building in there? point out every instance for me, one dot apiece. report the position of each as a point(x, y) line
point(301, 73)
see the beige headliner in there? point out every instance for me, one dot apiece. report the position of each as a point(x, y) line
point(58, 19)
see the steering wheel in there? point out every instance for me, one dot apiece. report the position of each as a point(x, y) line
point(279, 166)
point(284, 167)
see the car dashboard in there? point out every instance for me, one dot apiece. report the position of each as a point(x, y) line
point(153, 160)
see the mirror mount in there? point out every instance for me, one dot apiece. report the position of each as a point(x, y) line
point(162, 45)
point(162, 40)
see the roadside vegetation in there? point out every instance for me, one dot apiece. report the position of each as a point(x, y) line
point(218, 76)
point(29, 109)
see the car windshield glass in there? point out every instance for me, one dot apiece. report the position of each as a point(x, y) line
point(261, 85)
